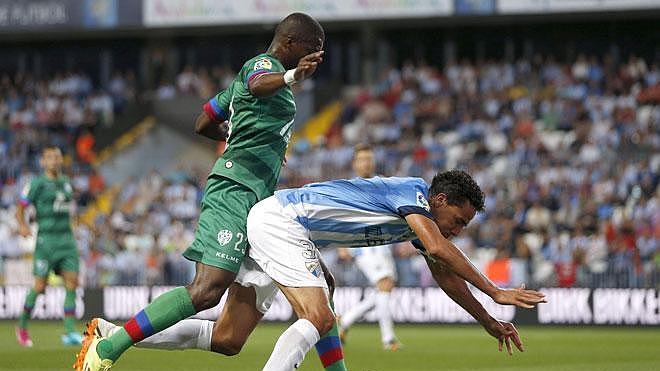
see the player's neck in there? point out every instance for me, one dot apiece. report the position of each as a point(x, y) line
point(276, 52)
point(52, 174)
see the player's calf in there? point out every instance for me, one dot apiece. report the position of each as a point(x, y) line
point(226, 344)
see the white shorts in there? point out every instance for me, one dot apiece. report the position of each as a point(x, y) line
point(250, 275)
point(281, 246)
point(376, 263)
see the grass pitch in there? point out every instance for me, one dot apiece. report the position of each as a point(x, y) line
point(436, 347)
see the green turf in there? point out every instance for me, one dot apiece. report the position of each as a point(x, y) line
point(426, 348)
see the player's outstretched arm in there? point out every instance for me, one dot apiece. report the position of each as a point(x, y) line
point(456, 288)
point(447, 253)
point(206, 126)
point(267, 84)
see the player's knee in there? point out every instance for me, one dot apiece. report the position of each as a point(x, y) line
point(386, 284)
point(208, 286)
point(224, 344)
point(323, 319)
point(39, 287)
point(205, 295)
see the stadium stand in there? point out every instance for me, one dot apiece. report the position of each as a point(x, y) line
point(567, 154)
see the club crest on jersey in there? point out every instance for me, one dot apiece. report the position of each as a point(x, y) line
point(224, 236)
point(421, 202)
point(263, 64)
point(314, 268)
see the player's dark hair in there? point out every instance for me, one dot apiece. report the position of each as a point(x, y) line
point(459, 187)
point(300, 26)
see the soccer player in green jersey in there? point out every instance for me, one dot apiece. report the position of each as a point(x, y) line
point(259, 109)
point(52, 195)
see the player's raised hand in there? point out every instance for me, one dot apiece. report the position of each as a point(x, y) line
point(307, 65)
point(519, 297)
point(505, 332)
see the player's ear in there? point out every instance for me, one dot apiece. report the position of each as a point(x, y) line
point(438, 200)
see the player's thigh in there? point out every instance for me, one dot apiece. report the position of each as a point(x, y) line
point(66, 263)
point(42, 260)
point(281, 247)
point(237, 320)
point(221, 236)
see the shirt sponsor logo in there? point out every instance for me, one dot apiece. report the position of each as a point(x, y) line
point(224, 236)
point(263, 64)
point(225, 256)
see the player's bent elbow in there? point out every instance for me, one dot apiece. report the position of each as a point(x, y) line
point(201, 122)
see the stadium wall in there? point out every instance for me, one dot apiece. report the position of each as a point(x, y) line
point(581, 306)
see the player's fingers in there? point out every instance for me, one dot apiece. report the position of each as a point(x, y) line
point(522, 304)
point(313, 56)
point(516, 340)
point(508, 346)
point(500, 342)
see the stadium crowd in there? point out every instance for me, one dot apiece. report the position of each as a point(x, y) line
point(567, 155)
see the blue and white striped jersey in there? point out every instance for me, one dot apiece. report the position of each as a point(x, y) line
point(358, 212)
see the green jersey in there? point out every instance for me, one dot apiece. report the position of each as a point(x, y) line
point(259, 128)
point(52, 198)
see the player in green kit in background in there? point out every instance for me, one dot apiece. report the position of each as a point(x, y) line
point(259, 108)
point(52, 197)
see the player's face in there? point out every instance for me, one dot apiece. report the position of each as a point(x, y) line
point(51, 160)
point(364, 164)
point(304, 46)
point(451, 219)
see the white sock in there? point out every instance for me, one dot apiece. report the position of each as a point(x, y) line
point(384, 317)
point(187, 334)
point(357, 312)
point(292, 346)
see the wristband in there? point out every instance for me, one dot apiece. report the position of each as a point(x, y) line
point(289, 77)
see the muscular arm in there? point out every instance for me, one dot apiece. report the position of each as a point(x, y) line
point(456, 288)
point(440, 248)
point(267, 84)
point(209, 128)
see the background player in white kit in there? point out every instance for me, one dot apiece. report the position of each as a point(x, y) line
point(376, 263)
point(287, 230)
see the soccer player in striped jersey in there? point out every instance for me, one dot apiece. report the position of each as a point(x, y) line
point(286, 230)
point(377, 265)
point(259, 109)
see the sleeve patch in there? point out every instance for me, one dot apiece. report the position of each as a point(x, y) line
point(263, 64)
point(422, 202)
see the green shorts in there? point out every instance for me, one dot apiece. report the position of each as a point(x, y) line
point(221, 235)
point(56, 253)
